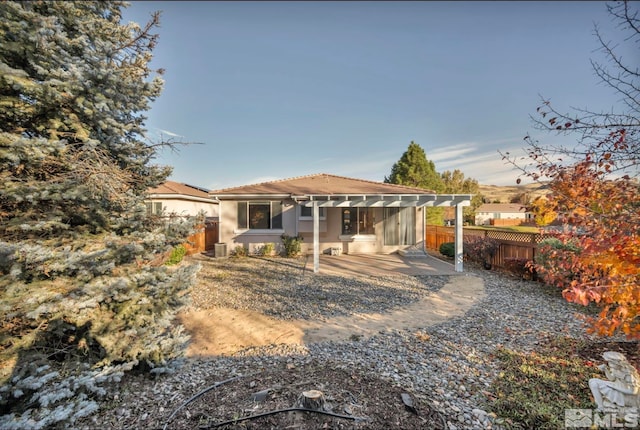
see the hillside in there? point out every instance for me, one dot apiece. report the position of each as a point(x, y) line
point(504, 193)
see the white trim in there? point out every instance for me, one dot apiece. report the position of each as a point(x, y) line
point(180, 197)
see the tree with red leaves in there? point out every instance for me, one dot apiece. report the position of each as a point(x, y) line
point(594, 189)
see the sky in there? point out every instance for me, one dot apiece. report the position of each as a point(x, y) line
point(274, 90)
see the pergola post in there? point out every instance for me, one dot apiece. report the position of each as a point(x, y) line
point(423, 211)
point(458, 239)
point(316, 237)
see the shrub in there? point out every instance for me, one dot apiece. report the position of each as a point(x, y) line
point(521, 267)
point(554, 259)
point(240, 251)
point(267, 249)
point(448, 249)
point(292, 245)
point(480, 249)
point(176, 256)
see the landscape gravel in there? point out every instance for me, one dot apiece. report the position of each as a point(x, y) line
point(448, 366)
point(284, 289)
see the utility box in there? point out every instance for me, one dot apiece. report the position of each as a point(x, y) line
point(220, 250)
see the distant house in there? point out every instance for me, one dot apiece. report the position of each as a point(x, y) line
point(181, 199)
point(331, 213)
point(502, 214)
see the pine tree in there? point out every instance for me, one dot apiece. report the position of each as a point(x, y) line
point(84, 293)
point(415, 170)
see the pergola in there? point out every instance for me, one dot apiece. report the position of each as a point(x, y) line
point(316, 201)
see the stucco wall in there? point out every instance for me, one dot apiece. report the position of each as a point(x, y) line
point(187, 207)
point(329, 231)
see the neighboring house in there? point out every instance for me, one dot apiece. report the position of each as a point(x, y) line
point(181, 199)
point(488, 213)
point(331, 213)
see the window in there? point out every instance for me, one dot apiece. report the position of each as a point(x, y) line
point(357, 221)
point(306, 212)
point(154, 208)
point(259, 215)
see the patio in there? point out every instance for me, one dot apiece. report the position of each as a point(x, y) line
point(381, 264)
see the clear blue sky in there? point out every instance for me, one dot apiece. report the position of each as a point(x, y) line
point(282, 89)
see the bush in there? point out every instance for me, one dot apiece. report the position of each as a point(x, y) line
point(292, 245)
point(448, 249)
point(176, 256)
point(267, 249)
point(554, 259)
point(521, 267)
point(480, 249)
point(240, 251)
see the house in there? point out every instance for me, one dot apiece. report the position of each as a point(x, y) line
point(502, 214)
point(331, 213)
point(181, 199)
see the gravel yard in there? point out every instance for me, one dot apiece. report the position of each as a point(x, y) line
point(446, 369)
point(282, 288)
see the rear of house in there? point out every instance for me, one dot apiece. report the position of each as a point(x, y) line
point(350, 230)
point(353, 216)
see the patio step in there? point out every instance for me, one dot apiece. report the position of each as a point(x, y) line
point(413, 251)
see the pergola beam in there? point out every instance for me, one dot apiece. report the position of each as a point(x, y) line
point(418, 201)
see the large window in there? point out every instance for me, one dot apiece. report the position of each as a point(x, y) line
point(357, 221)
point(259, 215)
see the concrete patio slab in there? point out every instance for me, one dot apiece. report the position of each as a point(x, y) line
point(381, 264)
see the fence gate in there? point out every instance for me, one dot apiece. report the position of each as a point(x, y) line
point(211, 235)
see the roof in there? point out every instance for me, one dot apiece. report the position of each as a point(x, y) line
point(502, 207)
point(324, 190)
point(319, 184)
point(170, 187)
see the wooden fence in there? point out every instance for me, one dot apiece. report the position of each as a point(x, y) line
point(205, 239)
point(512, 245)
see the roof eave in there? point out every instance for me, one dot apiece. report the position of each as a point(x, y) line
point(255, 196)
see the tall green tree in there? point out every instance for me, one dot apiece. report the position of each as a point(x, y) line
point(455, 183)
point(415, 170)
point(85, 295)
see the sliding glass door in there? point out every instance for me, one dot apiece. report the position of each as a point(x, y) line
point(399, 226)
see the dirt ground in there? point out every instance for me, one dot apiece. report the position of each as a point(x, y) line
point(350, 393)
point(265, 401)
point(268, 390)
point(223, 331)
